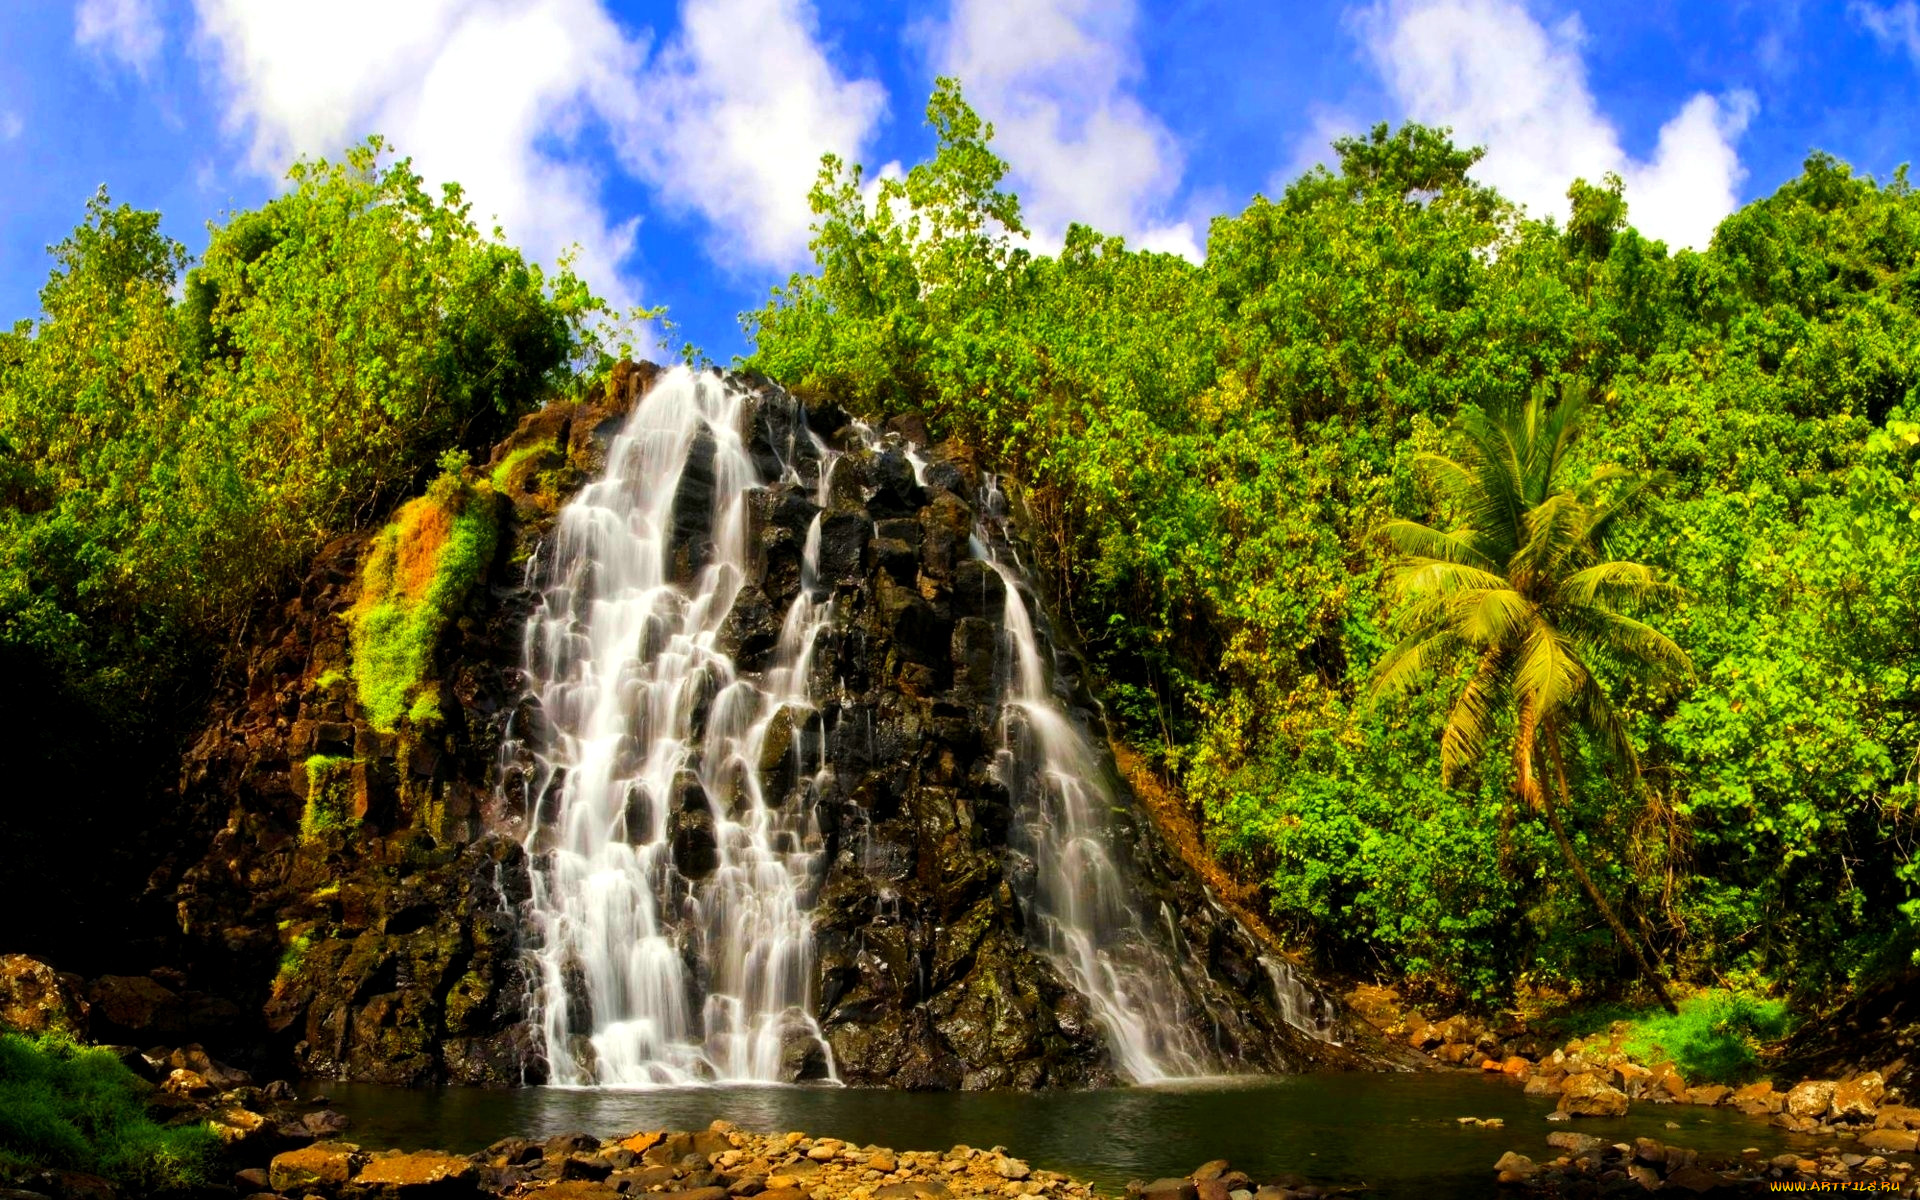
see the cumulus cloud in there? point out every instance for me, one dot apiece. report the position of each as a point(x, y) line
point(127, 30)
point(734, 116)
point(1896, 26)
point(1501, 79)
point(1054, 77)
point(506, 96)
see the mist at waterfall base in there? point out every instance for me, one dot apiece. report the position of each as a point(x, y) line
point(1397, 1133)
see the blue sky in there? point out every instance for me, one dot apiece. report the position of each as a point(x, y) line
point(674, 142)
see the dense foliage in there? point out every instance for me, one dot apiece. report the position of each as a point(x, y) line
point(175, 442)
point(78, 1108)
point(1211, 451)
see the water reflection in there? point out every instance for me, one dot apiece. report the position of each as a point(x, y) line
point(1396, 1133)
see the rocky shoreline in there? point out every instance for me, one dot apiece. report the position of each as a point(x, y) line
point(1873, 1135)
point(278, 1146)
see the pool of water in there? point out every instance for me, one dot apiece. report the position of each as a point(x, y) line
point(1397, 1134)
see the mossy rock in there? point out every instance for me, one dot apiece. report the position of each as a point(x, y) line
point(419, 571)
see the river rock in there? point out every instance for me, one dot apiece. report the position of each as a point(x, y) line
point(35, 999)
point(1169, 1189)
point(1810, 1099)
point(1897, 1116)
point(423, 1173)
point(1574, 1143)
point(324, 1165)
point(236, 1126)
point(1857, 1099)
point(1591, 1095)
point(1758, 1099)
point(1694, 1179)
point(1890, 1141)
point(1514, 1168)
point(136, 1006)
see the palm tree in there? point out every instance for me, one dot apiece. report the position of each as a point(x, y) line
point(1526, 588)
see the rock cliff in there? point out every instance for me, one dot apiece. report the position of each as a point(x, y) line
point(386, 946)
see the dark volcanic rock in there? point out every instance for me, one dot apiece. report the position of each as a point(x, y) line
point(388, 948)
point(384, 948)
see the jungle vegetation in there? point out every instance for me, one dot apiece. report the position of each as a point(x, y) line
point(178, 438)
point(1353, 424)
point(1238, 473)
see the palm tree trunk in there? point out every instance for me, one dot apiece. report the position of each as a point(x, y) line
point(1586, 881)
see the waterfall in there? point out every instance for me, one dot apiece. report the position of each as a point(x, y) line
point(1300, 1006)
point(1086, 919)
point(671, 938)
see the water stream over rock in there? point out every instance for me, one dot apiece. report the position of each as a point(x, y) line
point(809, 795)
point(1086, 918)
point(670, 913)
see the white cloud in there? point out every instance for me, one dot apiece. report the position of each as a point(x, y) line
point(503, 96)
point(1054, 77)
point(734, 116)
point(124, 29)
point(1502, 80)
point(471, 90)
point(1896, 25)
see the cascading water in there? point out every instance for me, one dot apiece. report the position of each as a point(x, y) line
point(1085, 917)
point(671, 937)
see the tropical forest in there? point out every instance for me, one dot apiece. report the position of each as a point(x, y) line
point(1423, 700)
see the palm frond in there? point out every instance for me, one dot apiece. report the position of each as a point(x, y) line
point(1630, 502)
point(1470, 722)
point(1490, 616)
point(1409, 661)
point(1496, 504)
point(1596, 715)
point(1548, 669)
point(1560, 429)
point(1637, 641)
point(1424, 541)
point(1420, 575)
point(1452, 478)
point(1553, 530)
point(1612, 582)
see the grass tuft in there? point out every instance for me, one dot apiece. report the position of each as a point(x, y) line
point(1716, 1038)
point(77, 1108)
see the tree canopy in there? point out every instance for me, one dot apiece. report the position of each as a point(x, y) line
point(1207, 449)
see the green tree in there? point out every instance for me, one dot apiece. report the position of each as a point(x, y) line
point(1525, 588)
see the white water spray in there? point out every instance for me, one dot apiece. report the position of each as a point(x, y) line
point(647, 974)
point(1087, 921)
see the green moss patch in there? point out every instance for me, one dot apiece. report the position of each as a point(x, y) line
point(512, 472)
point(329, 794)
point(294, 955)
point(77, 1108)
point(418, 573)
